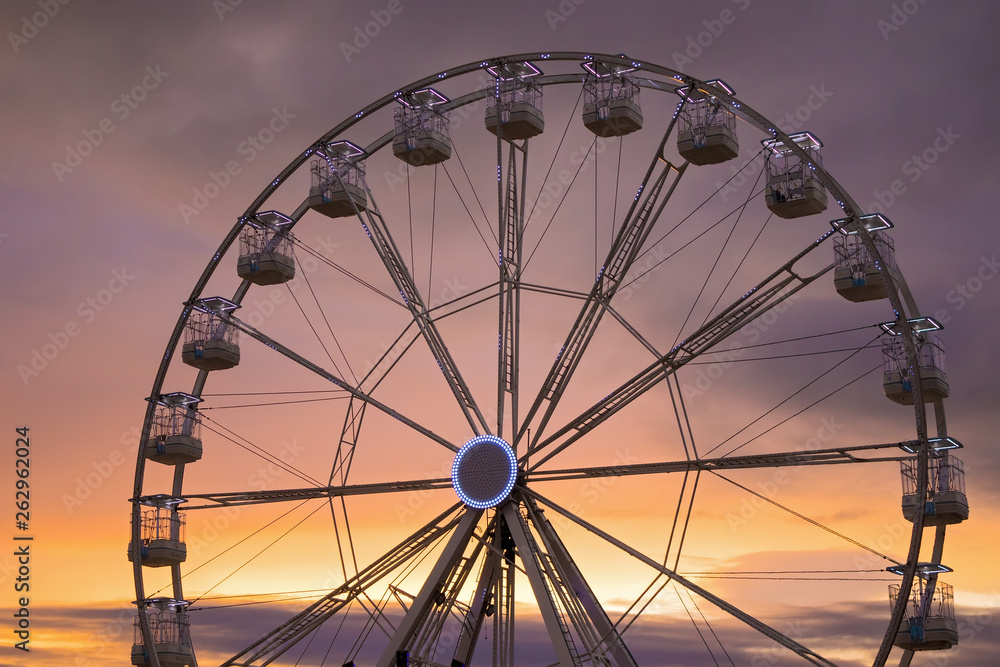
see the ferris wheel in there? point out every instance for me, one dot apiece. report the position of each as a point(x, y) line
point(478, 380)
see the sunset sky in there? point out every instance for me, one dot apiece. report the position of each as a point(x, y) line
point(136, 134)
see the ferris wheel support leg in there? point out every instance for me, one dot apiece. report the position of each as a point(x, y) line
point(553, 623)
point(503, 629)
point(578, 585)
point(478, 610)
point(425, 599)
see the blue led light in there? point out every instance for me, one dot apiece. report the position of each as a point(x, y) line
point(484, 471)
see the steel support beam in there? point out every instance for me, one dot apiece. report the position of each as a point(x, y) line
point(579, 587)
point(553, 622)
point(418, 611)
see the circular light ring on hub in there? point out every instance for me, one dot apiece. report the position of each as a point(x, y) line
point(484, 471)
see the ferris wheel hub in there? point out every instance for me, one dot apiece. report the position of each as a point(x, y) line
point(484, 471)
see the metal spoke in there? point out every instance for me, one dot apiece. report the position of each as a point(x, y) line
point(837, 455)
point(483, 597)
point(237, 498)
point(376, 229)
point(341, 469)
point(510, 205)
point(354, 391)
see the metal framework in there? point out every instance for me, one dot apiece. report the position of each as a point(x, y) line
point(464, 564)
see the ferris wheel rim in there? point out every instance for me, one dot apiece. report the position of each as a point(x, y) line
point(338, 130)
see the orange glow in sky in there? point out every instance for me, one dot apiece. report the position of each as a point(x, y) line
point(104, 253)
